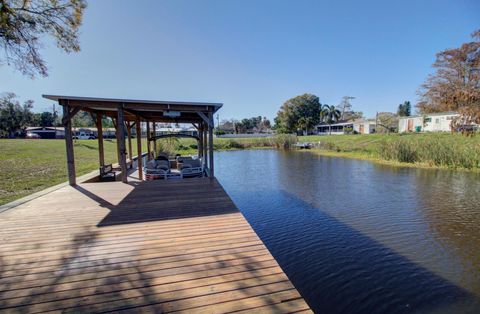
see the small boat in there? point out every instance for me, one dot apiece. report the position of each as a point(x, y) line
point(303, 145)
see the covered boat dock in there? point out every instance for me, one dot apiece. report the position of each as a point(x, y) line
point(129, 113)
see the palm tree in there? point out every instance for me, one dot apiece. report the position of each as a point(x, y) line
point(330, 114)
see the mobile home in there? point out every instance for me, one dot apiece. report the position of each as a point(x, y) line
point(432, 122)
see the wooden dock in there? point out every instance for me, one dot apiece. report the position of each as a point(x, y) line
point(161, 246)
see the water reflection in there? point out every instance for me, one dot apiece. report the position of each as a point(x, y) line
point(359, 237)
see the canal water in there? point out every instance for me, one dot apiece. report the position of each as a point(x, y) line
point(358, 237)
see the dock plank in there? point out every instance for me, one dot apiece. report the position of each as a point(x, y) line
point(164, 246)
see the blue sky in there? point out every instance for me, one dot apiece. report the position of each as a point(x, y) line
point(253, 55)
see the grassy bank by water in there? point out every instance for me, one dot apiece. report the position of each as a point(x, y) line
point(439, 150)
point(28, 166)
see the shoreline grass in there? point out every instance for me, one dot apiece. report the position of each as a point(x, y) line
point(366, 157)
point(427, 150)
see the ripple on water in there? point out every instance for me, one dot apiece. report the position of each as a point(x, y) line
point(355, 237)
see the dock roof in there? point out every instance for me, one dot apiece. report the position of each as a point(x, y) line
point(152, 110)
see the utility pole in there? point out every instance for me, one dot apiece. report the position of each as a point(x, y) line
point(218, 120)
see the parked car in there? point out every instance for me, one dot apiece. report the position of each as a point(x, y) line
point(32, 136)
point(84, 136)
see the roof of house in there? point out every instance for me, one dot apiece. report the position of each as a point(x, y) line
point(370, 121)
point(48, 128)
point(61, 128)
point(335, 124)
point(433, 114)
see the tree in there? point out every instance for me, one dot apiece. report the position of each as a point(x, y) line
point(23, 23)
point(345, 108)
point(298, 113)
point(265, 125)
point(405, 109)
point(455, 84)
point(13, 116)
point(44, 119)
point(247, 125)
point(227, 126)
point(352, 115)
point(329, 115)
point(386, 122)
point(82, 120)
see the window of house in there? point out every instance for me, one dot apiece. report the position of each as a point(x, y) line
point(437, 121)
point(428, 119)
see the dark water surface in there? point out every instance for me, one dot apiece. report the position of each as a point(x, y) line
point(357, 237)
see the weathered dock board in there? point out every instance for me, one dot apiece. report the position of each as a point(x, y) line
point(174, 246)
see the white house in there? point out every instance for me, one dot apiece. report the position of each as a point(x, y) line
point(432, 122)
point(334, 129)
point(364, 126)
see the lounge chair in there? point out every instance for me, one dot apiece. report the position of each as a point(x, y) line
point(157, 167)
point(191, 168)
point(162, 156)
point(182, 160)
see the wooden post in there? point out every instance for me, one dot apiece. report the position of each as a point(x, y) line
point(205, 146)
point(69, 144)
point(200, 140)
point(210, 145)
point(115, 125)
point(121, 142)
point(139, 149)
point(154, 142)
point(148, 141)
point(129, 134)
point(101, 153)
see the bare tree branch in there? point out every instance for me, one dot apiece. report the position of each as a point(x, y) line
point(22, 23)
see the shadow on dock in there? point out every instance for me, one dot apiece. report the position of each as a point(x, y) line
point(162, 200)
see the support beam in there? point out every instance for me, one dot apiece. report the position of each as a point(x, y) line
point(121, 143)
point(205, 146)
point(69, 143)
point(200, 140)
point(129, 134)
point(139, 149)
point(135, 113)
point(210, 145)
point(149, 157)
point(115, 125)
point(206, 119)
point(154, 142)
point(101, 153)
point(67, 116)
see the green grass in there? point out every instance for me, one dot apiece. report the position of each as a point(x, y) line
point(439, 150)
point(28, 166)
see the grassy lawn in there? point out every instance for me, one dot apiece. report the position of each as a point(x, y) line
point(28, 166)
